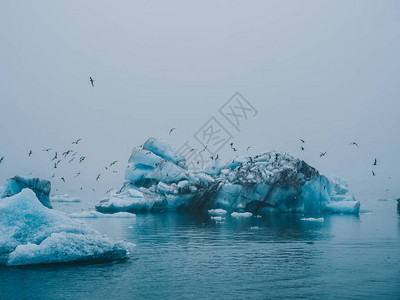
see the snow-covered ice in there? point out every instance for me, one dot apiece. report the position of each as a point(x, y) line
point(158, 179)
point(217, 218)
point(34, 234)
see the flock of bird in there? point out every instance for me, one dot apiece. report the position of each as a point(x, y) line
point(67, 155)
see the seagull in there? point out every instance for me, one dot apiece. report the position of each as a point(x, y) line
point(375, 162)
point(233, 148)
point(55, 165)
point(91, 81)
point(98, 177)
point(248, 148)
point(354, 143)
point(109, 190)
point(113, 163)
point(216, 157)
point(47, 149)
point(62, 178)
point(77, 174)
point(1, 159)
point(115, 171)
point(55, 156)
point(322, 154)
point(82, 159)
point(171, 131)
point(30, 153)
point(54, 175)
point(203, 149)
point(302, 148)
point(77, 141)
point(302, 141)
point(373, 173)
point(66, 153)
point(71, 159)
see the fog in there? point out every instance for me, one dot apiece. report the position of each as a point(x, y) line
point(325, 72)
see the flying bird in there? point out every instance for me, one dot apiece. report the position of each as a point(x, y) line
point(373, 173)
point(115, 171)
point(55, 156)
point(233, 148)
point(82, 159)
point(91, 81)
point(203, 149)
point(375, 162)
point(322, 154)
point(171, 131)
point(1, 159)
point(248, 148)
point(302, 141)
point(30, 153)
point(63, 179)
point(302, 148)
point(71, 159)
point(109, 190)
point(77, 141)
point(66, 153)
point(98, 177)
point(54, 175)
point(77, 174)
point(113, 163)
point(47, 150)
point(354, 143)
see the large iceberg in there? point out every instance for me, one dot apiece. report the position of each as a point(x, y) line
point(39, 186)
point(34, 234)
point(158, 179)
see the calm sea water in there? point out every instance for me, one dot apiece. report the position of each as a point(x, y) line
point(179, 256)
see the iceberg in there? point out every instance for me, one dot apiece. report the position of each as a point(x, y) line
point(39, 186)
point(157, 179)
point(34, 234)
point(64, 198)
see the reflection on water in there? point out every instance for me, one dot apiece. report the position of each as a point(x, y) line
point(192, 256)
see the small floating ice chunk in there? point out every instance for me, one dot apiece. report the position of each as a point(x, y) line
point(217, 218)
point(313, 219)
point(96, 214)
point(254, 228)
point(217, 211)
point(241, 215)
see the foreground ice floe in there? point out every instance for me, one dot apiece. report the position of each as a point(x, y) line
point(313, 219)
point(39, 186)
point(34, 234)
point(157, 179)
point(64, 198)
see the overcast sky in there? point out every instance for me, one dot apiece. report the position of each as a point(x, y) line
point(324, 71)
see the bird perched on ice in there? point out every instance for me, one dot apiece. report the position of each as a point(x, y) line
point(322, 154)
point(91, 81)
point(172, 129)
